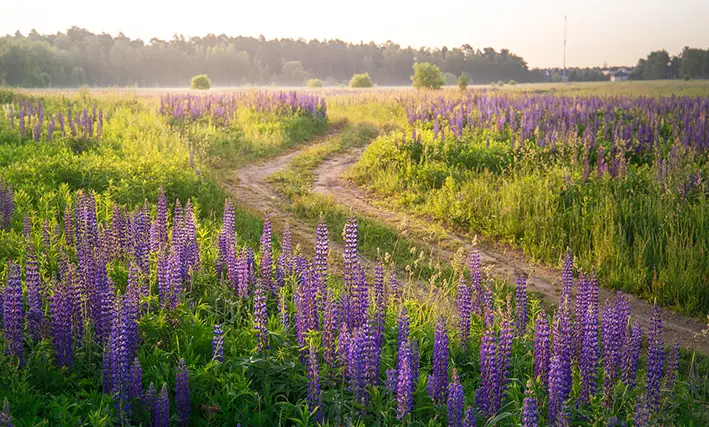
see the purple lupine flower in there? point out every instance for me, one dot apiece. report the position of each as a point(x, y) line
point(485, 394)
point(631, 355)
point(314, 395)
point(284, 257)
point(476, 282)
point(343, 347)
point(359, 298)
point(60, 307)
point(438, 381)
point(267, 255)
point(588, 361)
point(504, 356)
point(655, 360)
point(351, 257)
point(321, 250)
point(182, 393)
point(218, 343)
point(465, 306)
point(260, 316)
point(35, 314)
point(470, 419)
point(560, 364)
point(456, 401)
point(331, 323)
point(5, 416)
point(135, 384)
point(161, 413)
point(542, 348)
point(242, 271)
point(521, 305)
point(164, 274)
point(380, 303)
point(372, 354)
point(405, 381)
point(529, 407)
point(642, 412)
point(107, 373)
point(12, 311)
point(162, 219)
point(148, 400)
point(672, 366)
point(356, 365)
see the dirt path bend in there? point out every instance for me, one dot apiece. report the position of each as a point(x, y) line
point(250, 190)
point(498, 260)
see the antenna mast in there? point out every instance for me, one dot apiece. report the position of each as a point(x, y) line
point(563, 74)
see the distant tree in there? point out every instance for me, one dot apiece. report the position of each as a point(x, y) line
point(450, 78)
point(655, 66)
point(556, 77)
point(314, 83)
point(293, 73)
point(500, 83)
point(427, 76)
point(78, 76)
point(201, 82)
point(512, 82)
point(361, 80)
point(463, 81)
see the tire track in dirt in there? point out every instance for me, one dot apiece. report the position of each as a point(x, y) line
point(251, 190)
point(497, 259)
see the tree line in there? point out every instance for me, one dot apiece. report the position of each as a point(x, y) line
point(78, 57)
point(691, 63)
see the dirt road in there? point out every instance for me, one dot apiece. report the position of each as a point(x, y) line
point(250, 189)
point(498, 260)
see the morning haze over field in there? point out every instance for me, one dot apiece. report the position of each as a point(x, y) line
point(354, 214)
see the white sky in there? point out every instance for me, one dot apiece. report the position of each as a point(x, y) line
point(614, 31)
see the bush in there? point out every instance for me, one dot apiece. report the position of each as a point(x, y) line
point(512, 82)
point(450, 78)
point(200, 82)
point(427, 76)
point(314, 83)
point(463, 81)
point(361, 80)
point(500, 83)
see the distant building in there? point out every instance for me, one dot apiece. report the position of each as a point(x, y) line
point(619, 75)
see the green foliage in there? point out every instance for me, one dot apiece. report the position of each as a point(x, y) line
point(512, 82)
point(200, 82)
point(450, 78)
point(633, 232)
point(361, 81)
point(313, 83)
point(463, 81)
point(427, 76)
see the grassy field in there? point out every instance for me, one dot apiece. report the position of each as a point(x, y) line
point(124, 304)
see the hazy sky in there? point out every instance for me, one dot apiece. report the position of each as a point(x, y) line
point(617, 32)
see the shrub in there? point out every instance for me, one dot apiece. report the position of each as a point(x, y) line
point(200, 82)
point(512, 82)
point(500, 83)
point(450, 78)
point(427, 76)
point(463, 81)
point(314, 83)
point(361, 80)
